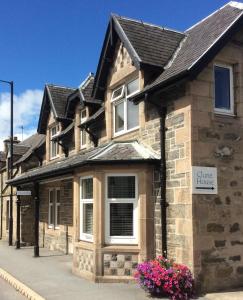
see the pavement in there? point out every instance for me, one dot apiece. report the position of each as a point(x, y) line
point(50, 276)
point(7, 292)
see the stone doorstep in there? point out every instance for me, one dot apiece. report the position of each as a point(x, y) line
point(19, 286)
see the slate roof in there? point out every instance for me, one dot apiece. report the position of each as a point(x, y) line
point(154, 45)
point(59, 96)
point(109, 153)
point(32, 143)
point(199, 41)
point(2, 156)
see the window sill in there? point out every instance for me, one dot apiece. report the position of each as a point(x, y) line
point(118, 134)
point(225, 114)
point(54, 157)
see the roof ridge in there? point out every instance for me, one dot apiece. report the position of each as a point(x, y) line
point(149, 24)
point(86, 81)
point(231, 3)
point(61, 86)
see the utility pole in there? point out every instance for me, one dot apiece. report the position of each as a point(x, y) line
point(10, 237)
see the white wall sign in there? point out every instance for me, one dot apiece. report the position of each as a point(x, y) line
point(23, 193)
point(204, 180)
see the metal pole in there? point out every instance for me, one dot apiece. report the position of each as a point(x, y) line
point(18, 224)
point(10, 240)
point(37, 217)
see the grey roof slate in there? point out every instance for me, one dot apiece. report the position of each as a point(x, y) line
point(59, 96)
point(199, 39)
point(153, 44)
point(112, 152)
point(2, 156)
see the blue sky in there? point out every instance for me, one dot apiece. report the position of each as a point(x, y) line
point(59, 41)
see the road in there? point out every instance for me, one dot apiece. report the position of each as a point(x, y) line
point(7, 292)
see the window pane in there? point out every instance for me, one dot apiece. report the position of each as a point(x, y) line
point(222, 87)
point(51, 197)
point(58, 214)
point(121, 187)
point(51, 217)
point(53, 131)
point(88, 218)
point(132, 115)
point(119, 117)
point(132, 87)
point(87, 188)
point(83, 138)
point(121, 219)
point(83, 114)
point(118, 93)
point(58, 196)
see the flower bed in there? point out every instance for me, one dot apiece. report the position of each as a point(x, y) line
point(163, 277)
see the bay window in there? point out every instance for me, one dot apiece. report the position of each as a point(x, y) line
point(86, 208)
point(125, 113)
point(121, 209)
point(54, 149)
point(54, 208)
point(223, 89)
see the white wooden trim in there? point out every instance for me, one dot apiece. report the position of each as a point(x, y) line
point(219, 110)
point(121, 239)
point(85, 236)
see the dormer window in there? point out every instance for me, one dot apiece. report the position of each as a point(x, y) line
point(54, 149)
point(125, 113)
point(83, 137)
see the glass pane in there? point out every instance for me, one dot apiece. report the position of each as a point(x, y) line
point(132, 87)
point(119, 117)
point(222, 87)
point(83, 137)
point(58, 214)
point(51, 217)
point(53, 131)
point(121, 219)
point(51, 197)
point(121, 187)
point(87, 188)
point(58, 196)
point(83, 114)
point(88, 218)
point(118, 93)
point(132, 115)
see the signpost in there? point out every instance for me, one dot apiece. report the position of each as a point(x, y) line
point(23, 193)
point(204, 180)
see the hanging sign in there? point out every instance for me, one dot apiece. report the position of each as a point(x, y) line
point(23, 193)
point(204, 180)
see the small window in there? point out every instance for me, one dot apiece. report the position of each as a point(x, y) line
point(54, 208)
point(86, 209)
point(125, 112)
point(121, 209)
point(83, 133)
point(118, 93)
point(223, 80)
point(54, 149)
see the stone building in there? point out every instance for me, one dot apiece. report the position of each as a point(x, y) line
point(116, 184)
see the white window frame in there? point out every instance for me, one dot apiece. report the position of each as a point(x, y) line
point(85, 236)
point(82, 120)
point(51, 142)
point(54, 205)
point(123, 98)
point(132, 240)
point(221, 110)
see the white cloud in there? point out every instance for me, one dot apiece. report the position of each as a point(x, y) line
point(26, 114)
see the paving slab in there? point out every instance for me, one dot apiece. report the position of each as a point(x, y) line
point(50, 276)
point(7, 292)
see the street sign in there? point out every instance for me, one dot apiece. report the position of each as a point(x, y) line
point(23, 193)
point(204, 180)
